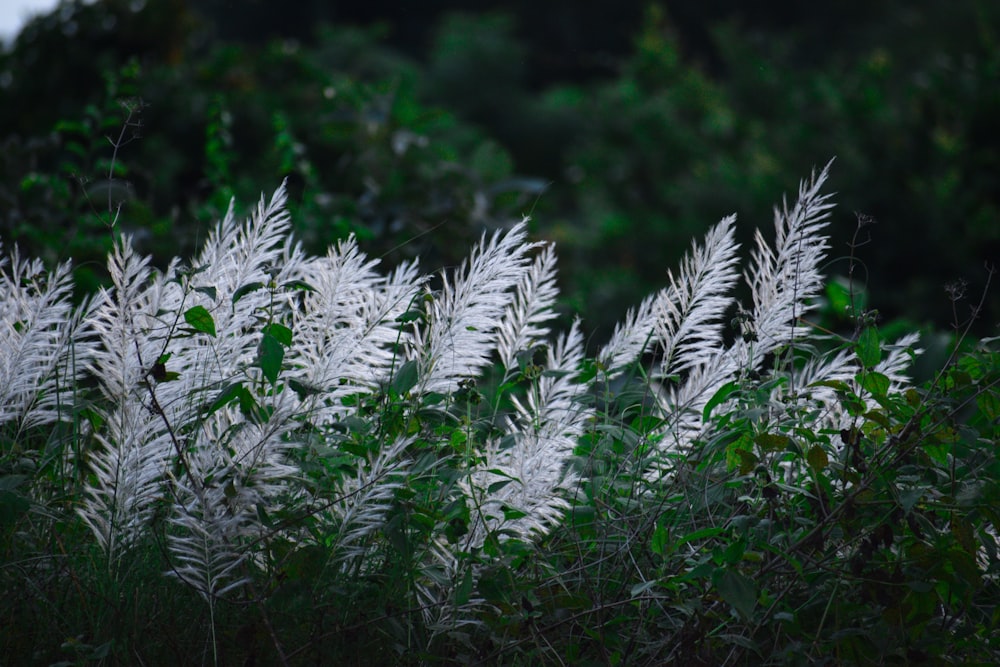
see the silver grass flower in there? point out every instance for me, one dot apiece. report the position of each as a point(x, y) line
point(129, 464)
point(524, 323)
point(364, 500)
point(152, 424)
point(689, 314)
point(461, 330)
point(347, 330)
point(527, 472)
point(685, 319)
point(196, 419)
point(783, 280)
point(43, 346)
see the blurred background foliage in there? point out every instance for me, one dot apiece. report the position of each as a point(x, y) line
point(624, 129)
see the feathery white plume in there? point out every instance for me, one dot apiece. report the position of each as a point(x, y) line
point(43, 347)
point(783, 281)
point(461, 329)
point(130, 462)
point(527, 471)
point(524, 322)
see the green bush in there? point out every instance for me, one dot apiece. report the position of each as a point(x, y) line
point(270, 456)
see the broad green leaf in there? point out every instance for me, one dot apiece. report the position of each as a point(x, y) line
point(965, 566)
point(874, 383)
point(12, 507)
point(841, 296)
point(496, 486)
point(743, 443)
point(303, 390)
point(464, 590)
point(200, 319)
point(910, 497)
point(244, 290)
point(817, 458)
point(747, 460)
point(495, 585)
point(405, 378)
point(989, 404)
point(868, 348)
point(208, 291)
point(410, 316)
point(227, 395)
point(250, 408)
point(583, 521)
point(11, 482)
point(269, 357)
point(836, 385)
point(280, 332)
point(736, 589)
point(660, 539)
point(772, 442)
point(458, 438)
point(512, 514)
point(697, 535)
point(299, 285)
point(879, 418)
point(718, 398)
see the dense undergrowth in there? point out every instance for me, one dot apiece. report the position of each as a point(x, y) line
point(266, 457)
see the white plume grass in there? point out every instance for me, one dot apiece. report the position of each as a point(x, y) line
point(221, 381)
point(43, 345)
point(460, 334)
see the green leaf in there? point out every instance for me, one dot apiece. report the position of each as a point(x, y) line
point(772, 442)
point(11, 482)
point(697, 535)
point(12, 507)
point(641, 587)
point(496, 486)
point(743, 443)
point(298, 285)
point(718, 398)
point(989, 404)
point(200, 319)
point(512, 514)
point(965, 567)
point(269, 357)
point(250, 408)
point(840, 296)
point(660, 539)
point(736, 589)
point(747, 460)
point(225, 396)
point(208, 291)
point(874, 383)
point(410, 316)
point(280, 332)
point(405, 378)
point(464, 590)
point(817, 458)
point(244, 290)
point(868, 348)
point(910, 497)
point(583, 521)
point(836, 385)
point(303, 390)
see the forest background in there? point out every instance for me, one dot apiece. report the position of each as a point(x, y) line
point(623, 129)
point(332, 465)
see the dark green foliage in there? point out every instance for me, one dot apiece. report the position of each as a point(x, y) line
point(879, 547)
point(462, 132)
point(883, 552)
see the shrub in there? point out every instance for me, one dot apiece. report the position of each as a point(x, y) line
point(340, 464)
